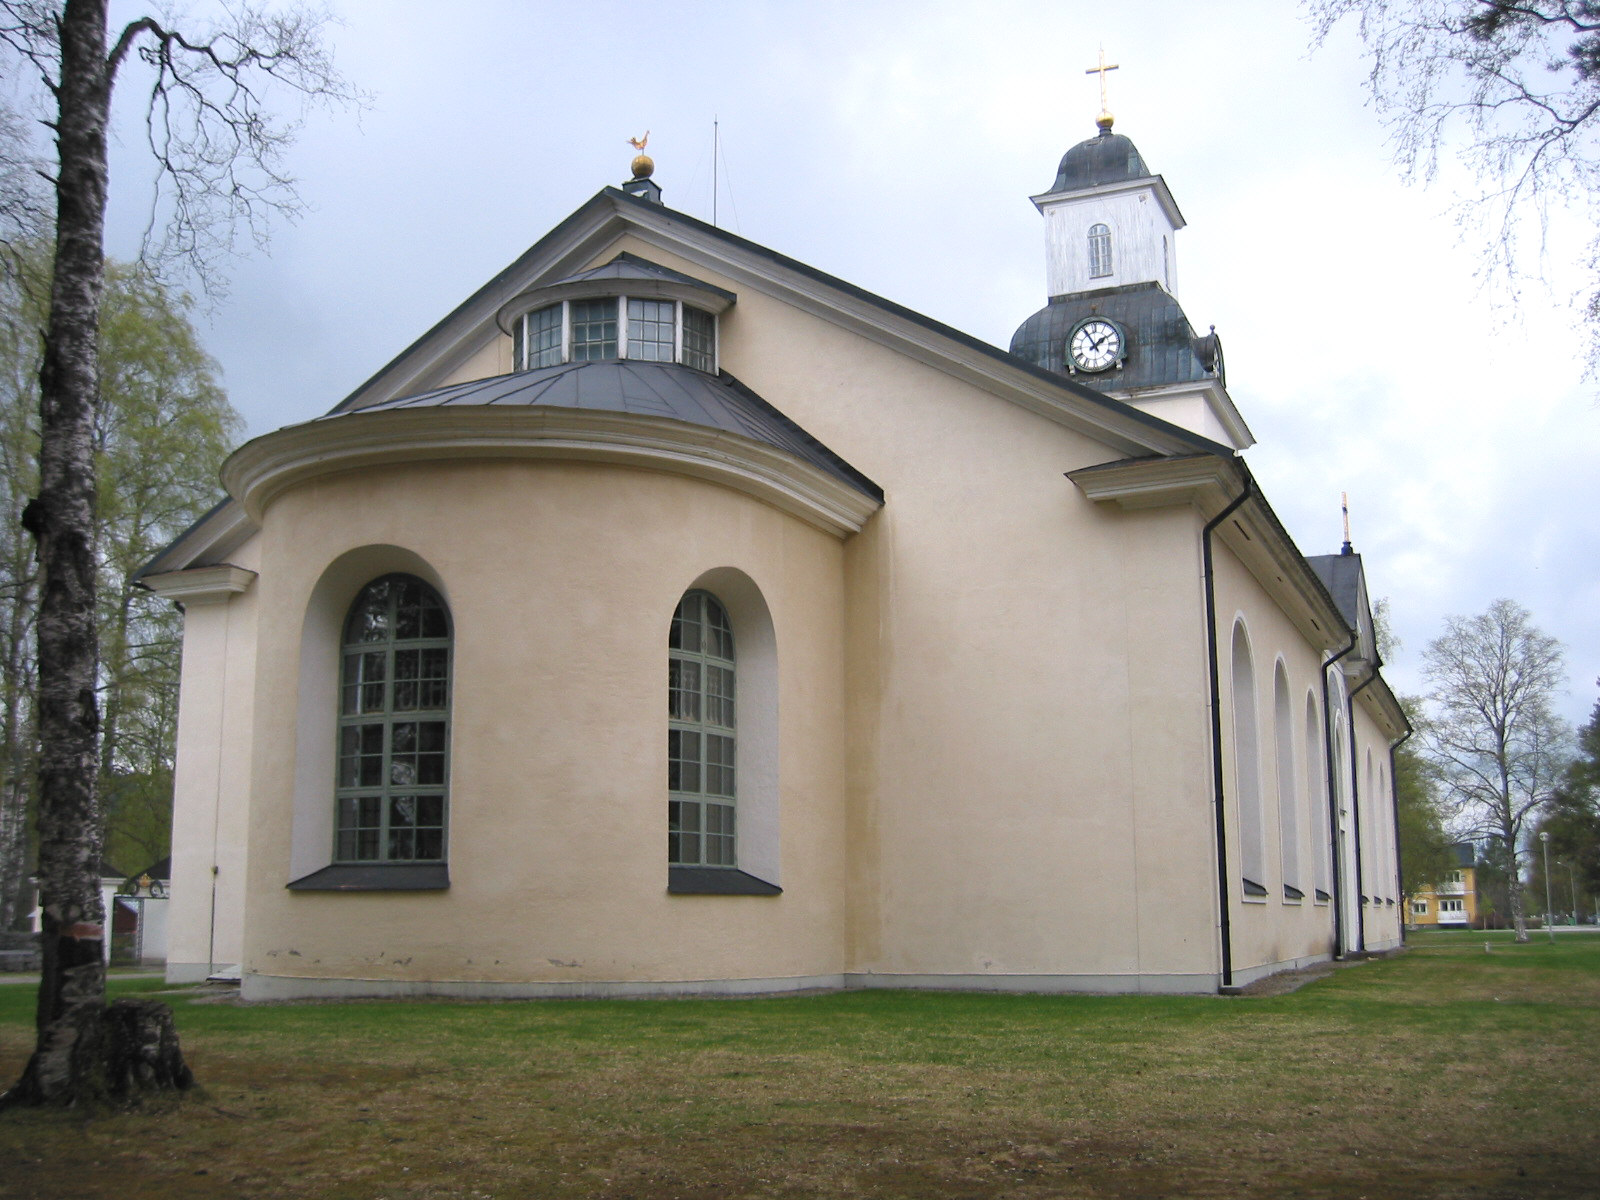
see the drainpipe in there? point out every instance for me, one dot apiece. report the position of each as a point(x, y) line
point(1394, 808)
point(1355, 800)
point(1225, 920)
point(1333, 802)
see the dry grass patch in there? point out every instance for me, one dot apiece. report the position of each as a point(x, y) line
point(1397, 1078)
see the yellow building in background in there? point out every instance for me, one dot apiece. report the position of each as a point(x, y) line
point(1454, 901)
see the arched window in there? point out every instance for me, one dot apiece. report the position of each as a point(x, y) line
point(1247, 765)
point(1288, 796)
point(701, 789)
point(1317, 789)
point(394, 725)
point(1099, 251)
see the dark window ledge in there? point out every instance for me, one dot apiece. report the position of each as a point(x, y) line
point(717, 881)
point(373, 877)
point(1322, 896)
point(1252, 888)
point(1290, 892)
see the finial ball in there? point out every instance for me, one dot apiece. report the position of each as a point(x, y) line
point(1105, 120)
point(643, 166)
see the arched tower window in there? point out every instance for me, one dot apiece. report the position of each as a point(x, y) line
point(701, 789)
point(1099, 251)
point(394, 724)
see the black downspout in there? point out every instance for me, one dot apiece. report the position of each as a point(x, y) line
point(1355, 803)
point(1216, 733)
point(1394, 808)
point(1333, 802)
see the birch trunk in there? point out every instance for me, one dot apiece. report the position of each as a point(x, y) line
point(79, 1048)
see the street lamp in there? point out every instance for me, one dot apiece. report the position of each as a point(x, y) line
point(1544, 836)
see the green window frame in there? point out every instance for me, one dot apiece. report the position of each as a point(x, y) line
point(392, 789)
point(701, 739)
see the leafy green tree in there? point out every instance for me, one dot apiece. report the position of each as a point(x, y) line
point(1426, 857)
point(1494, 738)
point(1573, 822)
point(1512, 88)
point(162, 429)
point(1426, 854)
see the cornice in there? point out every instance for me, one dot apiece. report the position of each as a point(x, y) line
point(1209, 483)
point(1153, 183)
point(214, 536)
point(201, 585)
point(1214, 395)
point(263, 469)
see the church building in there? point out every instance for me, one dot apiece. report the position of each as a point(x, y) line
point(673, 617)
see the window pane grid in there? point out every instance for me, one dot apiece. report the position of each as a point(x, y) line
point(651, 330)
point(701, 748)
point(544, 337)
point(594, 329)
point(1099, 251)
point(394, 725)
point(699, 339)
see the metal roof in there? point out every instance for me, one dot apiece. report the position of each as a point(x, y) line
point(631, 266)
point(1162, 346)
point(646, 389)
point(1341, 575)
point(1105, 158)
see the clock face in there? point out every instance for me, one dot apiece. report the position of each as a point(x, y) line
point(1095, 345)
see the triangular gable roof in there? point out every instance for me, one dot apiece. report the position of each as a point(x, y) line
point(611, 212)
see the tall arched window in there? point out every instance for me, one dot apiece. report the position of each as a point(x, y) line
point(1247, 765)
point(1099, 251)
point(1288, 797)
point(394, 724)
point(1317, 789)
point(700, 734)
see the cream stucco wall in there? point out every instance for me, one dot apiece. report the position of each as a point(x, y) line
point(561, 579)
point(211, 777)
point(1273, 931)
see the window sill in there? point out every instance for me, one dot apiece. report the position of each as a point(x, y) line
point(717, 881)
point(371, 877)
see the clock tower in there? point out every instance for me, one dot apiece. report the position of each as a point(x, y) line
point(1113, 321)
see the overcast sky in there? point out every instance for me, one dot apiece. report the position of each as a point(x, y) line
point(895, 145)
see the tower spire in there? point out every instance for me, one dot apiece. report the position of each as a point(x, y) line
point(1105, 120)
point(1344, 507)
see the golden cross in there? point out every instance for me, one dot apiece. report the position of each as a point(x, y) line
point(1101, 71)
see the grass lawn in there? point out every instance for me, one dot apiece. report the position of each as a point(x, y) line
point(1443, 1072)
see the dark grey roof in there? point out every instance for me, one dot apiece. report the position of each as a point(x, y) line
point(1106, 158)
point(1341, 575)
point(1162, 346)
point(631, 266)
point(645, 389)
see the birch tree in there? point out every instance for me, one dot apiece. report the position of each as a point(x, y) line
point(1500, 750)
point(211, 129)
point(1511, 89)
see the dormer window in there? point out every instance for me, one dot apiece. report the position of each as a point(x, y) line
point(628, 309)
point(1099, 251)
point(647, 330)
